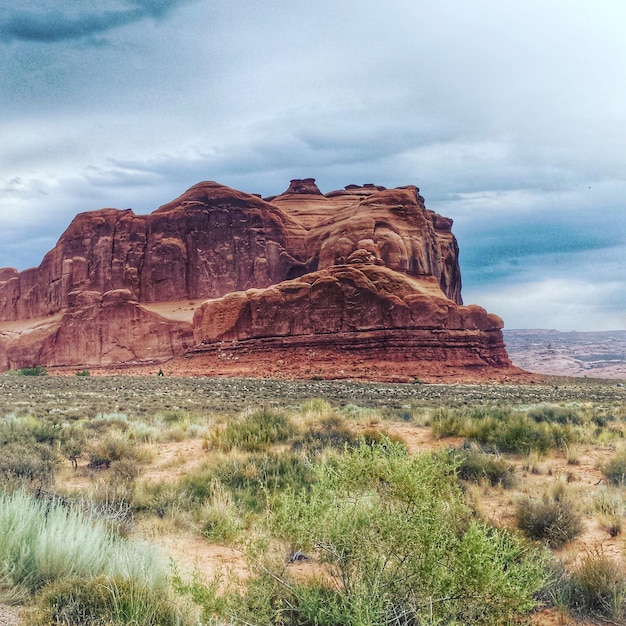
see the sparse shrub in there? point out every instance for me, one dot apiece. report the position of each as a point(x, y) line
point(601, 420)
point(532, 463)
point(30, 465)
point(162, 499)
point(253, 480)
point(329, 432)
point(522, 436)
point(28, 430)
point(375, 437)
point(109, 505)
point(317, 407)
point(552, 521)
point(557, 591)
point(572, 456)
point(109, 421)
point(615, 469)
point(124, 470)
point(109, 448)
point(73, 445)
point(608, 501)
point(173, 417)
point(599, 588)
point(500, 429)
point(399, 545)
point(558, 489)
point(254, 431)
point(477, 466)
point(105, 601)
point(35, 370)
point(219, 517)
point(555, 414)
point(447, 422)
point(83, 373)
point(612, 524)
point(609, 504)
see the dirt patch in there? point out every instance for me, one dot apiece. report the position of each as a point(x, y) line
point(194, 553)
point(10, 615)
point(175, 459)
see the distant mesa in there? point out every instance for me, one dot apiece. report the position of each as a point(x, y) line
point(361, 282)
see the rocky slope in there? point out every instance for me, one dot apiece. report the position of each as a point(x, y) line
point(363, 269)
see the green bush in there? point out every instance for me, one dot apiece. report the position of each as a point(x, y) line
point(162, 499)
point(329, 432)
point(110, 448)
point(251, 481)
point(83, 373)
point(219, 518)
point(477, 466)
point(555, 414)
point(552, 521)
point(105, 601)
point(500, 429)
point(32, 465)
point(35, 370)
point(598, 586)
point(29, 430)
point(254, 431)
point(73, 444)
point(615, 469)
point(447, 422)
point(397, 545)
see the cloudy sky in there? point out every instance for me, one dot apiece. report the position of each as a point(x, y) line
point(509, 115)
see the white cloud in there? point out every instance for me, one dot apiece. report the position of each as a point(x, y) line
point(560, 304)
point(509, 116)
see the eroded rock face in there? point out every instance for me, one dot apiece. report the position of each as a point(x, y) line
point(208, 242)
point(357, 306)
point(96, 329)
point(362, 268)
point(213, 240)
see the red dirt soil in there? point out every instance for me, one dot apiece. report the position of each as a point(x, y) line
point(301, 363)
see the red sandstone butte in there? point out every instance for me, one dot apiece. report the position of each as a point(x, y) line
point(365, 278)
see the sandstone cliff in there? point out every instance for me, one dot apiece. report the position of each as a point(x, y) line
point(209, 241)
point(364, 268)
point(96, 329)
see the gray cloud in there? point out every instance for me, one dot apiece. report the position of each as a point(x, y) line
point(509, 118)
point(55, 25)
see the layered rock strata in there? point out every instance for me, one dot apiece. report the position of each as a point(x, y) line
point(365, 269)
point(355, 310)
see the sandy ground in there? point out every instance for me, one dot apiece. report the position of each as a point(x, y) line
point(9, 615)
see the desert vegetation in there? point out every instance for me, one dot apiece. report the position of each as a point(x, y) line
point(183, 501)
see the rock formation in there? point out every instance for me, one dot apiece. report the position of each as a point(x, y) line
point(206, 243)
point(94, 330)
point(363, 269)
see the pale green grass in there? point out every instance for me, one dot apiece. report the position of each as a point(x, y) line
point(43, 541)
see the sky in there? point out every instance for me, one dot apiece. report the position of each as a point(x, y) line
point(509, 115)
